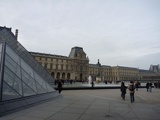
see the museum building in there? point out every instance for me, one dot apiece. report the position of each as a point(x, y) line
point(77, 67)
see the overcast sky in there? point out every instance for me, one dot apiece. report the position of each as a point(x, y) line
point(118, 32)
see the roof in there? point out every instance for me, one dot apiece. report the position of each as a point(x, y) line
point(145, 71)
point(106, 66)
point(124, 67)
point(155, 68)
point(93, 65)
point(97, 65)
point(8, 29)
point(74, 51)
point(47, 55)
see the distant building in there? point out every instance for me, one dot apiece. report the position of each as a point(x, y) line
point(100, 72)
point(148, 75)
point(73, 67)
point(122, 73)
point(76, 67)
point(155, 68)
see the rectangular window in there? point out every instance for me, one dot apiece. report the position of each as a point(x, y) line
point(49, 59)
point(54, 60)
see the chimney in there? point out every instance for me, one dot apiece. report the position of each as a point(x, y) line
point(16, 34)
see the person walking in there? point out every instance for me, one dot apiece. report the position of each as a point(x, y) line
point(147, 86)
point(123, 90)
point(92, 83)
point(131, 88)
point(59, 86)
point(150, 87)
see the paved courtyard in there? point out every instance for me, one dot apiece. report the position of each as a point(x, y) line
point(94, 105)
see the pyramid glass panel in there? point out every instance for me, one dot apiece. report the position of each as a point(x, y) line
point(27, 69)
point(22, 78)
point(40, 89)
point(12, 55)
point(29, 81)
point(27, 91)
point(12, 65)
point(12, 80)
point(0, 51)
point(9, 93)
point(49, 88)
point(40, 81)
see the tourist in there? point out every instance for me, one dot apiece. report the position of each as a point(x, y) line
point(123, 90)
point(155, 85)
point(131, 88)
point(147, 86)
point(59, 86)
point(150, 87)
point(92, 84)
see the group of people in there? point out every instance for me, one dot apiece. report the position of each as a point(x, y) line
point(131, 88)
point(123, 89)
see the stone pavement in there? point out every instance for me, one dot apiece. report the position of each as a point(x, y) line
point(94, 105)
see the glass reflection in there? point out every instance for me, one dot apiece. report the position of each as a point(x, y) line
point(9, 93)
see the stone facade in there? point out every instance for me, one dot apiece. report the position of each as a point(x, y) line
point(121, 73)
point(76, 67)
point(113, 74)
point(73, 67)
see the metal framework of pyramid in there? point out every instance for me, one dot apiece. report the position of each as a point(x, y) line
point(23, 81)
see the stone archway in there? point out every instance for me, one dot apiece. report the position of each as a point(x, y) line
point(68, 76)
point(63, 76)
point(81, 76)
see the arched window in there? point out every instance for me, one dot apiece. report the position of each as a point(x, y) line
point(63, 76)
point(81, 76)
point(68, 76)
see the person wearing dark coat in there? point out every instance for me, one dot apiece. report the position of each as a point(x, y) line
point(123, 90)
point(59, 86)
point(131, 88)
point(147, 86)
point(92, 83)
point(150, 87)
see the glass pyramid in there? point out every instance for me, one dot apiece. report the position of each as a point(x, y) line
point(23, 81)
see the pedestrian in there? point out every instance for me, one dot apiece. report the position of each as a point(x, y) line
point(131, 88)
point(59, 86)
point(92, 84)
point(147, 86)
point(123, 90)
point(137, 85)
point(150, 87)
